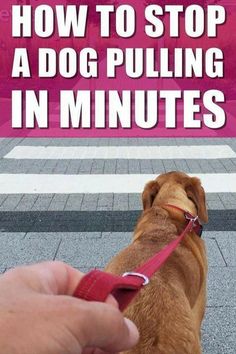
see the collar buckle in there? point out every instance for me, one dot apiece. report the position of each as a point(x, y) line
point(196, 225)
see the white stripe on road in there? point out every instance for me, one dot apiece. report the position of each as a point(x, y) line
point(122, 152)
point(71, 184)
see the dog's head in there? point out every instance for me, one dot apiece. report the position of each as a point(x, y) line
point(179, 189)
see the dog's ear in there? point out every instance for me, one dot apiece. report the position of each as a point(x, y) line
point(150, 191)
point(196, 193)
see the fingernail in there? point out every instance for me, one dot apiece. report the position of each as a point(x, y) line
point(133, 332)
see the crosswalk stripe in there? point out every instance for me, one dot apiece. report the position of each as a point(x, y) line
point(71, 184)
point(122, 152)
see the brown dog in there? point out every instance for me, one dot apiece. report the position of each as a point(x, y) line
point(168, 311)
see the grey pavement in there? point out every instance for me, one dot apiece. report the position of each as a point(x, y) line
point(116, 166)
point(93, 202)
point(86, 250)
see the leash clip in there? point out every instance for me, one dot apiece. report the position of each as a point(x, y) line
point(139, 275)
point(190, 217)
point(196, 225)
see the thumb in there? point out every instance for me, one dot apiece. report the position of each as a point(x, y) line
point(102, 326)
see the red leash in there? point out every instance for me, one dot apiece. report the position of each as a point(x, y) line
point(97, 285)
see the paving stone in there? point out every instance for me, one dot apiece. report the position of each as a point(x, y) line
point(158, 167)
point(135, 202)
point(193, 166)
point(13, 166)
point(227, 244)
point(57, 206)
point(217, 166)
point(122, 167)
point(146, 166)
point(169, 165)
point(86, 166)
point(14, 251)
point(218, 333)
point(27, 202)
point(74, 202)
point(36, 166)
point(181, 165)
point(42, 202)
point(5, 236)
point(80, 235)
point(11, 202)
point(212, 197)
point(90, 202)
point(61, 167)
point(221, 286)
point(48, 167)
point(110, 166)
point(207, 166)
point(228, 197)
point(115, 141)
point(35, 142)
point(117, 235)
point(2, 141)
point(216, 141)
point(73, 167)
point(134, 166)
point(68, 142)
point(99, 142)
point(215, 205)
point(105, 202)
point(229, 165)
point(44, 236)
point(214, 255)
point(162, 141)
point(98, 167)
point(91, 253)
point(230, 206)
point(21, 165)
point(63, 235)
point(120, 202)
point(3, 197)
point(8, 145)
point(234, 160)
point(58, 202)
point(60, 198)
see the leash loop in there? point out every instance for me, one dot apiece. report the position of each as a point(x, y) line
point(139, 275)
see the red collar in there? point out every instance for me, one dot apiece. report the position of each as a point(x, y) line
point(197, 226)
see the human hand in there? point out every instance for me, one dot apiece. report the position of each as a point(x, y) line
point(40, 316)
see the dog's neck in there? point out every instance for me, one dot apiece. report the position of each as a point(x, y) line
point(154, 220)
point(181, 202)
point(158, 220)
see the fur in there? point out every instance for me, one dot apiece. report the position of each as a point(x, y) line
point(169, 311)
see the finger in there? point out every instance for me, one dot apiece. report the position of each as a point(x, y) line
point(103, 326)
point(112, 301)
point(55, 278)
